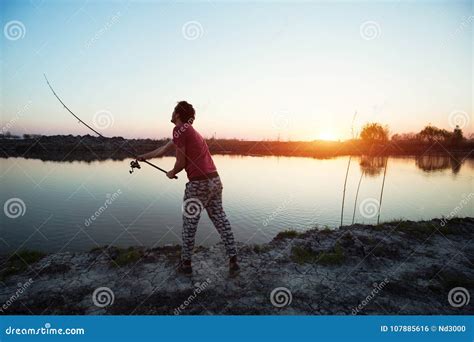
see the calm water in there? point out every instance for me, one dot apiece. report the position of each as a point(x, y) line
point(262, 196)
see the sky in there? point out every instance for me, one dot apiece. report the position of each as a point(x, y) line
point(253, 70)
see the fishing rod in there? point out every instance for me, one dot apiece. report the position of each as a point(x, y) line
point(134, 163)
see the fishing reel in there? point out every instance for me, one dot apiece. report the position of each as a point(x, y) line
point(134, 165)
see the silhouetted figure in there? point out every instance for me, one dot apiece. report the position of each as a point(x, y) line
point(204, 189)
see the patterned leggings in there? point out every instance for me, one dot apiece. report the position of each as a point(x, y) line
point(199, 195)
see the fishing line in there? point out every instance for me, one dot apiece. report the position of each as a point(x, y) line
point(134, 163)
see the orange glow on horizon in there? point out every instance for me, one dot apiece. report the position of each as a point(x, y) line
point(328, 136)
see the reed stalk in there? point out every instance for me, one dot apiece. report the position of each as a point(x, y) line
point(357, 195)
point(381, 191)
point(347, 171)
point(344, 190)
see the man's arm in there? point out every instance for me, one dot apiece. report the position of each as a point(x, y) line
point(180, 162)
point(159, 152)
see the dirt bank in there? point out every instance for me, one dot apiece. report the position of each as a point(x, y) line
point(393, 268)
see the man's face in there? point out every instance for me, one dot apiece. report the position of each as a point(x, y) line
point(174, 117)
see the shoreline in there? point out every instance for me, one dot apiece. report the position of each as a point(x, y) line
point(399, 267)
point(90, 148)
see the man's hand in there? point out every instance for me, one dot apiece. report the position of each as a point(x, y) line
point(170, 174)
point(158, 153)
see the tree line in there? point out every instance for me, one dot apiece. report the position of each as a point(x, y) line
point(375, 132)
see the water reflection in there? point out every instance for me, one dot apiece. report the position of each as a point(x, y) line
point(372, 166)
point(438, 163)
point(263, 196)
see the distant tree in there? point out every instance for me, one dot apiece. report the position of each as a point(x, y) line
point(457, 136)
point(431, 134)
point(374, 132)
point(396, 137)
point(404, 136)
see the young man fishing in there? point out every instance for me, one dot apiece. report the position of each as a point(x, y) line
point(204, 189)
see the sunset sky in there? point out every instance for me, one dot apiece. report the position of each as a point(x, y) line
point(252, 70)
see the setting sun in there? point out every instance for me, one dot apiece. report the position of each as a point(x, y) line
point(327, 136)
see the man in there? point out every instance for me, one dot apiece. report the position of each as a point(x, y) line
point(204, 189)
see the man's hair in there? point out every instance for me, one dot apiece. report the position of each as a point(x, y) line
point(185, 111)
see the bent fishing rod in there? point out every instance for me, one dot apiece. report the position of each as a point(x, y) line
point(134, 163)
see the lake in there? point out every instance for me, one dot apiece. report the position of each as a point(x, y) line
point(75, 206)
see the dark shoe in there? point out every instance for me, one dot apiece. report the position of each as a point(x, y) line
point(185, 267)
point(233, 265)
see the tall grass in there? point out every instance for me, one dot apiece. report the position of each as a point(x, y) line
point(357, 195)
point(347, 171)
point(381, 191)
point(344, 190)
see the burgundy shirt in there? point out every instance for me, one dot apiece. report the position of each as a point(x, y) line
point(198, 158)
